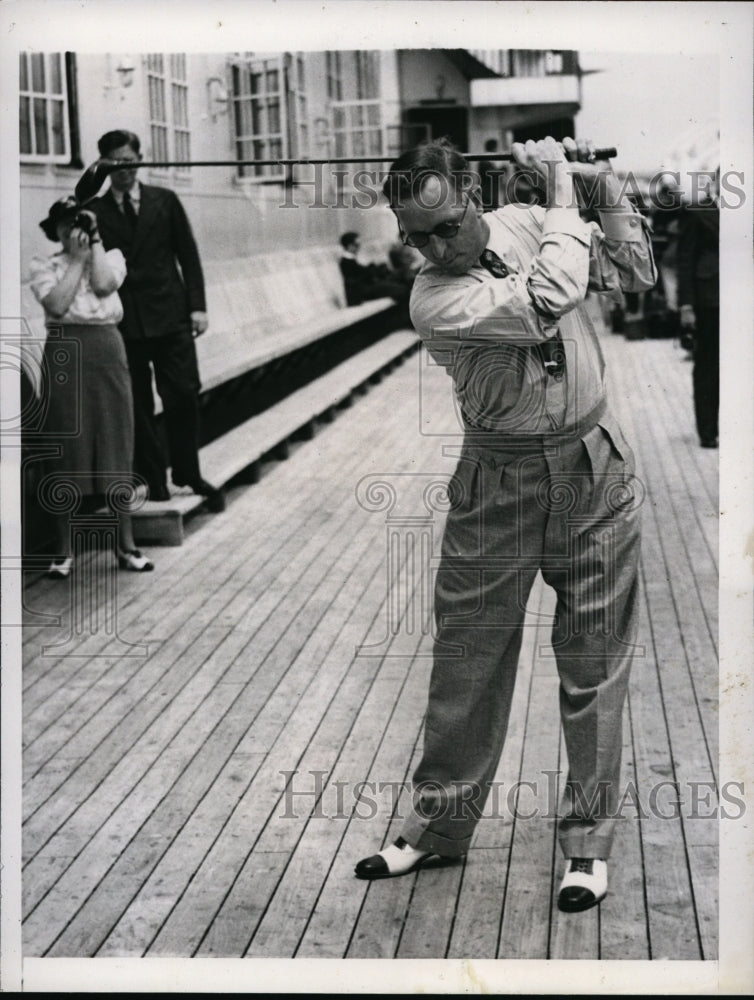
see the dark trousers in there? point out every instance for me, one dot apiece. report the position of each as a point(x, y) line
point(177, 378)
point(572, 514)
point(707, 371)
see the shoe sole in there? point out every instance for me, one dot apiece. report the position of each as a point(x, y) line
point(406, 871)
point(566, 907)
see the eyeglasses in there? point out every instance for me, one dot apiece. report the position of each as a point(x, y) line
point(445, 230)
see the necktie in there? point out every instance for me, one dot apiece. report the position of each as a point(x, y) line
point(129, 211)
point(551, 351)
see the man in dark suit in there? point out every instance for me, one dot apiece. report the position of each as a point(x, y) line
point(164, 309)
point(699, 299)
point(363, 282)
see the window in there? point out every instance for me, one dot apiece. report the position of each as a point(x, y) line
point(334, 72)
point(367, 75)
point(168, 108)
point(357, 128)
point(270, 118)
point(357, 125)
point(43, 110)
point(298, 120)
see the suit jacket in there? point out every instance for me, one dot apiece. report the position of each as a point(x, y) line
point(158, 297)
point(356, 279)
point(699, 256)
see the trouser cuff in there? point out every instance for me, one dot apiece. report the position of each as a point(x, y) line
point(416, 833)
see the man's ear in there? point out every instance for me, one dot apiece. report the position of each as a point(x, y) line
point(400, 230)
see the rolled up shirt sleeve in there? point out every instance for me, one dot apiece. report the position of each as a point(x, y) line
point(559, 275)
point(621, 254)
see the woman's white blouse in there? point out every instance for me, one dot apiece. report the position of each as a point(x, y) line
point(87, 308)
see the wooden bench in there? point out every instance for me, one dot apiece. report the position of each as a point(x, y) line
point(241, 450)
point(260, 308)
point(264, 307)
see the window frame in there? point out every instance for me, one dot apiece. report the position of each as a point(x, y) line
point(69, 154)
point(289, 97)
point(163, 83)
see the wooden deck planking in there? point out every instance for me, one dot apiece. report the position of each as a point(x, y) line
point(254, 556)
point(528, 895)
point(623, 913)
point(330, 925)
point(341, 526)
point(189, 854)
point(686, 677)
point(276, 630)
point(264, 846)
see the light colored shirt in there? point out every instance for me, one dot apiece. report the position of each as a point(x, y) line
point(135, 194)
point(87, 308)
point(485, 330)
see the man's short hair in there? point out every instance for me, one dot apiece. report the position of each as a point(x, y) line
point(116, 139)
point(347, 239)
point(411, 171)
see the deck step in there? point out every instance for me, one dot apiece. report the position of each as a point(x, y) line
point(240, 450)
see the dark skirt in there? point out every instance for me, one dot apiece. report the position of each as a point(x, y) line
point(89, 418)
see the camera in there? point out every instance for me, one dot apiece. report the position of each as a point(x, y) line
point(85, 223)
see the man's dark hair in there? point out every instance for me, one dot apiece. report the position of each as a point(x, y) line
point(347, 239)
point(411, 171)
point(116, 139)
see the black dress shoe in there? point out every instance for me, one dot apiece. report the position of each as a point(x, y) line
point(584, 885)
point(397, 859)
point(708, 442)
point(158, 493)
point(215, 497)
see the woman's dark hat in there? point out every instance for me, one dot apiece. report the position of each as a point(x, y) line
point(62, 210)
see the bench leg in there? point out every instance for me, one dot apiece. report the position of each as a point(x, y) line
point(251, 474)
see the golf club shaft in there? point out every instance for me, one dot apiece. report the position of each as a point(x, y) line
point(599, 154)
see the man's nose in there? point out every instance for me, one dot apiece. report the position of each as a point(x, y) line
point(438, 246)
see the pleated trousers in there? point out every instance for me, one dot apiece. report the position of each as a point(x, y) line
point(572, 512)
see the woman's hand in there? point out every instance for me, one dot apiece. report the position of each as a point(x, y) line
point(79, 247)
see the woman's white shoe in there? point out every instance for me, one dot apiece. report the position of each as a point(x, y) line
point(60, 569)
point(135, 561)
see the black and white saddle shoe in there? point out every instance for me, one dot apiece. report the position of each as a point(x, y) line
point(397, 859)
point(584, 884)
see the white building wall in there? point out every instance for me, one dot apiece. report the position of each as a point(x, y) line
point(231, 217)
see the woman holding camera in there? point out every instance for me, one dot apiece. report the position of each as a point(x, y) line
point(89, 404)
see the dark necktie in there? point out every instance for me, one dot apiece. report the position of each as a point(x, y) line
point(129, 211)
point(551, 351)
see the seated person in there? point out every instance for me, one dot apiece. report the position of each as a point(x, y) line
point(405, 261)
point(368, 281)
